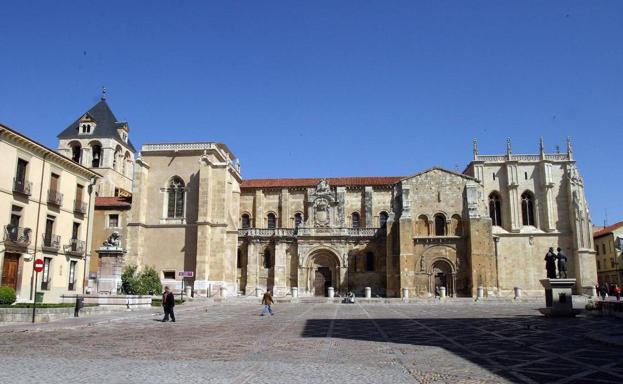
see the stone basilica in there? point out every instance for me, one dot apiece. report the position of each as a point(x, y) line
point(191, 210)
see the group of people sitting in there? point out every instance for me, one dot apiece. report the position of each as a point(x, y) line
point(550, 264)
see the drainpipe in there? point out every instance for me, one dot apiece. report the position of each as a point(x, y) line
point(34, 257)
point(90, 220)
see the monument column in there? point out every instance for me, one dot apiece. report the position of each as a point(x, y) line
point(280, 281)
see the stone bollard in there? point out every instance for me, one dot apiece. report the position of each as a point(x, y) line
point(295, 292)
point(517, 293)
point(189, 290)
point(331, 292)
point(442, 292)
point(593, 291)
point(481, 293)
point(258, 292)
point(368, 291)
point(405, 293)
point(222, 291)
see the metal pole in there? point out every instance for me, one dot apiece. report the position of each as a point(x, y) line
point(90, 219)
point(34, 304)
point(34, 257)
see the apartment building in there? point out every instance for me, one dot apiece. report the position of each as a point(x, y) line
point(46, 206)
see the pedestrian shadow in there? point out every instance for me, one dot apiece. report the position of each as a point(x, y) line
point(522, 349)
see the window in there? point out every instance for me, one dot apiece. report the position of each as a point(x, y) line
point(113, 220)
point(456, 225)
point(495, 209)
point(525, 175)
point(369, 261)
point(72, 275)
point(16, 215)
point(168, 275)
point(86, 128)
point(175, 205)
point(75, 230)
point(493, 175)
point(383, 216)
point(603, 248)
point(266, 261)
point(612, 262)
point(527, 208)
point(76, 152)
point(298, 219)
point(272, 221)
point(20, 175)
point(239, 259)
point(598, 266)
point(421, 227)
point(440, 225)
point(354, 220)
point(96, 159)
point(597, 249)
point(245, 222)
point(45, 275)
point(47, 235)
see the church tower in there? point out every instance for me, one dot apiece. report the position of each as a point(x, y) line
point(98, 141)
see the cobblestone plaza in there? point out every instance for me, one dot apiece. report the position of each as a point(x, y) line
point(316, 343)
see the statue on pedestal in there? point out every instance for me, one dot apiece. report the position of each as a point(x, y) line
point(562, 264)
point(550, 263)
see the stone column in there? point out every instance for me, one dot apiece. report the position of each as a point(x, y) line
point(284, 200)
point(281, 278)
point(252, 266)
point(514, 203)
point(259, 209)
point(341, 201)
point(368, 207)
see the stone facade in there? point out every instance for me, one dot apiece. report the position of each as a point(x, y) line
point(609, 254)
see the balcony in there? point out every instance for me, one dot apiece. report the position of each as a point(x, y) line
point(80, 207)
point(75, 247)
point(17, 236)
point(22, 186)
point(51, 242)
point(55, 197)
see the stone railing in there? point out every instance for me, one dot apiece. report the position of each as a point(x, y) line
point(522, 157)
point(557, 156)
point(302, 231)
point(177, 147)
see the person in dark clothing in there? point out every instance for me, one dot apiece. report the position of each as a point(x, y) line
point(562, 264)
point(168, 302)
point(550, 263)
point(267, 301)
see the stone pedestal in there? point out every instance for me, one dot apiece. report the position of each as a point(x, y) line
point(331, 292)
point(110, 268)
point(558, 297)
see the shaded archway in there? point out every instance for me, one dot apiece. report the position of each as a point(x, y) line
point(323, 271)
point(442, 274)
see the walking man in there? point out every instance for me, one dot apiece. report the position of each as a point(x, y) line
point(562, 264)
point(168, 302)
point(267, 300)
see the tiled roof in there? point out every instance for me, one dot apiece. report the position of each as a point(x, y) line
point(113, 202)
point(608, 229)
point(107, 125)
point(312, 182)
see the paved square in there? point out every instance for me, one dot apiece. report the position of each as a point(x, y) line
point(317, 343)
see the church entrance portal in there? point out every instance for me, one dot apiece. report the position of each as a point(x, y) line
point(442, 277)
point(322, 281)
point(324, 270)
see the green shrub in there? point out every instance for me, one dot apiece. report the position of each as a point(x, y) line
point(7, 295)
point(141, 283)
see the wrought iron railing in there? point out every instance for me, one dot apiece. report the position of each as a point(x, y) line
point(80, 206)
point(22, 186)
point(51, 241)
point(55, 197)
point(75, 247)
point(17, 235)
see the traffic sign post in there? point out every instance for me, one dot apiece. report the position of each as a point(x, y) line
point(38, 267)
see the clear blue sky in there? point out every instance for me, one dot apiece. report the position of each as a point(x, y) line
point(330, 88)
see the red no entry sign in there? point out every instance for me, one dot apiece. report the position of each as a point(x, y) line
point(38, 265)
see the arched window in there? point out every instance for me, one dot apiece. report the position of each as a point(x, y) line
point(116, 159)
point(354, 220)
point(369, 261)
point(272, 221)
point(440, 225)
point(421, 226)
point(266, 261)
point(245, 223)
point(76, 152)
point(127, 164)
point(298, 219)
point(457, 225)
point(495, 209)
point(175, 198)
point(527, 208)
point(96, 155)
point(383, 216)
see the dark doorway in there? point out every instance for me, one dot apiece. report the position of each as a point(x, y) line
point(440, 281)
point(9, 270)
point(322, 281)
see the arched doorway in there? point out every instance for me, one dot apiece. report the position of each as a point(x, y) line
point(442, 276)
point(324, 272)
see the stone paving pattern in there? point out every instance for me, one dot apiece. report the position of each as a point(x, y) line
point(316, 343)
